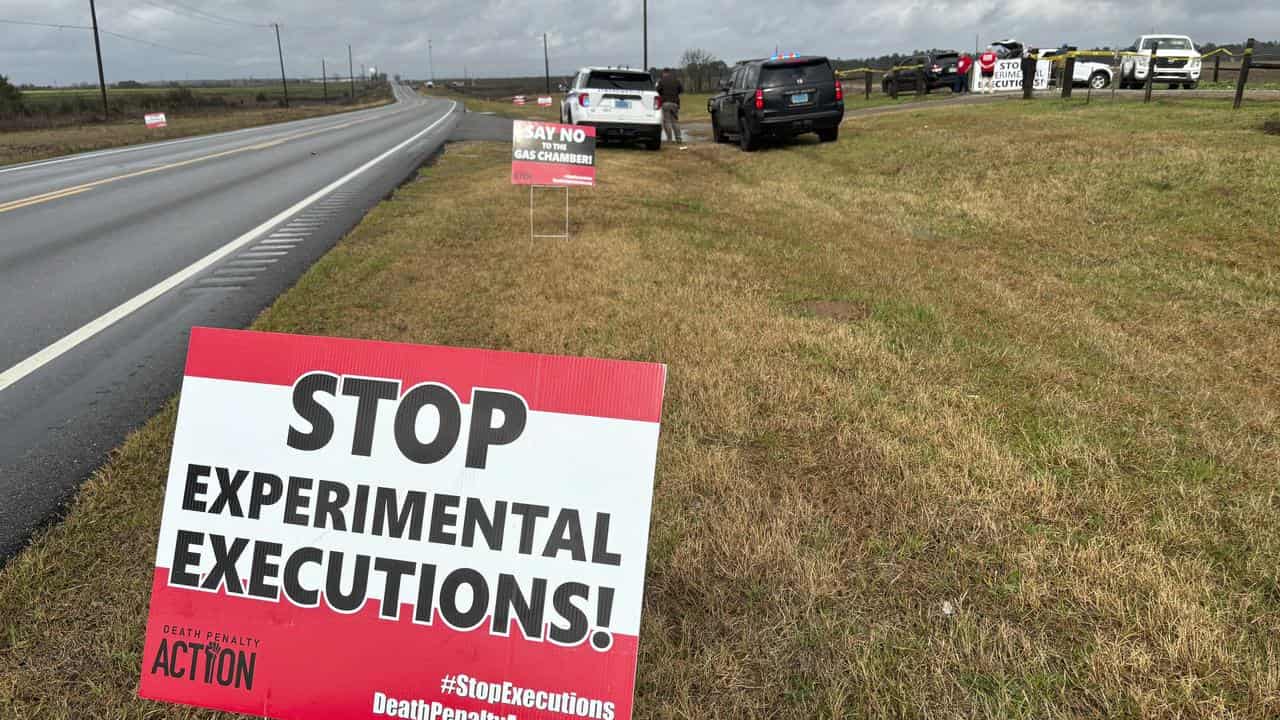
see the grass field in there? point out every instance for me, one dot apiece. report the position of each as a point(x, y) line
point(973, 414)
point(297, 90)
point(18, 146)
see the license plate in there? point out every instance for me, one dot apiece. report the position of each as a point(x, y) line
point(799, 98)
point(622, 104)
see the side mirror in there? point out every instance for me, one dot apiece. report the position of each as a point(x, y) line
point(723, 85)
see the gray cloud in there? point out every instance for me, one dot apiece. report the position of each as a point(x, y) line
point(504, 37)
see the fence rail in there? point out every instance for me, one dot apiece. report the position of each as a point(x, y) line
point(1063, 68)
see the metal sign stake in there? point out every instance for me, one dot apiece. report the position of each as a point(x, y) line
point(565, 235)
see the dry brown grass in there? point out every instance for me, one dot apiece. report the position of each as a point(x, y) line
point(1057, 416)
point(28, 145)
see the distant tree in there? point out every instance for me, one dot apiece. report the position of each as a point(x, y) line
point(10, 97)
point(701, 69)
point(129, 84)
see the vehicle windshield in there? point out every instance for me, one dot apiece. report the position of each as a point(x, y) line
point(944, 58)
point(603, 80)
point(800, 73)
point(1168, 43)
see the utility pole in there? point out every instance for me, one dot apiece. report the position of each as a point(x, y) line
point(283, 80)
point(97, 48)
point(546, 62)
point(324, 80)
point(646, 35)
point(431, 65)
point(351, 73)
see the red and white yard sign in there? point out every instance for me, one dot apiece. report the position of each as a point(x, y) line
point(544, 101)
point(517, 100)
point(357, 529)
point(155, 120)
point(545, 153)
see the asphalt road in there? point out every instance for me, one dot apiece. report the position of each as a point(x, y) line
point(107, 259)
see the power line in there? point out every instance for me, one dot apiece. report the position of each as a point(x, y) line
point(163, 47)
point(212, 16)
point(47, 25)
point(188, 15)
point(122, 36)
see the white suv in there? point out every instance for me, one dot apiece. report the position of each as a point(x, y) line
point(1096, 75)
point(1177, 62)
point(620, 103)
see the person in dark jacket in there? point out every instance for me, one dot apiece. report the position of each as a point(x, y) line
point(669, 89)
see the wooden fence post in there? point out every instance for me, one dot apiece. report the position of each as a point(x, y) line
point(1151, 71)
point(868, 84)
point(1028, 76)
point(1245, 63)
point(1217, 65)
point(1068, 76)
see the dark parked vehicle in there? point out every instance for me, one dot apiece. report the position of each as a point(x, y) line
point(939, 70)
point(779, 98)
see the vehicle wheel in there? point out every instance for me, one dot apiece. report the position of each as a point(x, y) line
point(654, 143)
point(1190, 85)
point(1099, 80)
point(829, 134)
point(717, 134)
point(1173, 86)
point(746, 140)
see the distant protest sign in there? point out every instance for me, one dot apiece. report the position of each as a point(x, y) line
point(155, 120)
point(361, 529)
point(1008, 76)
point(517, 100)
point(544, 101)
point(552, 154)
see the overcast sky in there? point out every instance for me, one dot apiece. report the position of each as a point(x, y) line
point(504, 37)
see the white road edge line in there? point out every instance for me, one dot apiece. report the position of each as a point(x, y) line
point(128, 307)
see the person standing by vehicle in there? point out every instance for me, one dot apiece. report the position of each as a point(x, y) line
point(987, 66)
point(963, 66)
point(669, 89)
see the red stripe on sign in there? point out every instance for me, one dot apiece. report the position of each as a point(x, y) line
point(287, 662)
point(618, 389)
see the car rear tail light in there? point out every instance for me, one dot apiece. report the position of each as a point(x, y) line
point(759, 99)
point(937, 68)
point(584, 100)
point(657, 102)
point(839, 91)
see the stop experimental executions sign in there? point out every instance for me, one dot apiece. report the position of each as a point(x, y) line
point(545, 153)
point(357, 529)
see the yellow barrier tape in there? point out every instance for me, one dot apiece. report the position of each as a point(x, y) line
point(1219, 51)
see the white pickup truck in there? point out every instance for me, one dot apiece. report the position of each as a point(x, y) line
point(1176, 62)
point(1097, 75)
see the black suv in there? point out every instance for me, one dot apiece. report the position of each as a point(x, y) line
point(778, 97)
point(938, 70)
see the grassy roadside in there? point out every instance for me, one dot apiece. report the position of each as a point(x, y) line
point(27, 145)
point(969, 417)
